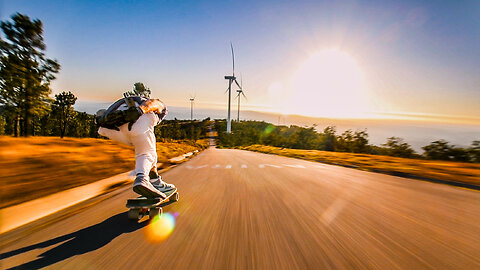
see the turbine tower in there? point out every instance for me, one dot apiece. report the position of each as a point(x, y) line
point(231, 79)
point(192, 99)
point(240, 91)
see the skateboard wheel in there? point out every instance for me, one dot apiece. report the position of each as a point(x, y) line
point(175, 197)
point(133, 214)
point(155, 212)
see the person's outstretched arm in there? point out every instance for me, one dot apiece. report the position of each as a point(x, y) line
point(152, 105)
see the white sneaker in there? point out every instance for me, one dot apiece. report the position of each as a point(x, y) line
point(143, 187)
point(162, 186)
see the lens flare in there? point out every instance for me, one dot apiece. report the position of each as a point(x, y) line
point(160, 228)
point(268, 129)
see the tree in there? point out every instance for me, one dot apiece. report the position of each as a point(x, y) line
point(360, 142)
point(25, 72)
point(329, 139)
point(474, 151)
point(345, 141)
point(62, 107)
point(3, 123)
point(398, 148)
point(139, 89)
point(437, 150)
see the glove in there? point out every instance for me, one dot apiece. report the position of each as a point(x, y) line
point(164, 113)
point(131, 115)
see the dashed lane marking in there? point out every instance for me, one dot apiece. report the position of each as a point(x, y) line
point(244, 166)
point(294, 166)
point(269, 165)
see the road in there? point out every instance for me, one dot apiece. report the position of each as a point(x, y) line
point(246, 210)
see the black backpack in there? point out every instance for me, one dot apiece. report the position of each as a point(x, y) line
point(114, 118)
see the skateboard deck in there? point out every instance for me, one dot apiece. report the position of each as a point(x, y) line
point(142, 206)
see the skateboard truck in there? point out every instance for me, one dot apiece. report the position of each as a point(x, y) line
point(142, 206)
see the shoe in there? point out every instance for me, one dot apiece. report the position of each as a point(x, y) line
point(143, 187)
point(162, 186)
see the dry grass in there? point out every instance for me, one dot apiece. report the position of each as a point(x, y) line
point(34, 167)
point(441, 170)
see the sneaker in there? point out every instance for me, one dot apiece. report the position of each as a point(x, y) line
point(162, 186)
point(143, 187)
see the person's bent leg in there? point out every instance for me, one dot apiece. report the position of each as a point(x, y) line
point(143, 138)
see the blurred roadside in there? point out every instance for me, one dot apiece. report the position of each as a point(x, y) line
point(448, 172)
point(35, 167)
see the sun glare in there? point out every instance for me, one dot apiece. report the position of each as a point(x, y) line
point(328, 84)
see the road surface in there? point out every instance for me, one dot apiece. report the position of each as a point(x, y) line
point(246, 210)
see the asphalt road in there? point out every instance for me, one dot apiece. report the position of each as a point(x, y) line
point(245, 210)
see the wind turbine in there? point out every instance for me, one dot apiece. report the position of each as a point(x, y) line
point(192, 99)
point(231, 79)
point(240, 91)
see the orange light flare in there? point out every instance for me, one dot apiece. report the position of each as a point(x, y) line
point(160, 227)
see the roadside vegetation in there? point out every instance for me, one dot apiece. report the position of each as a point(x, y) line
point(407, 167)
point(34, 167)
point(440, 160)
point(246, 133)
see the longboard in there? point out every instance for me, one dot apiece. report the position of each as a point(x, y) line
point(142, 206)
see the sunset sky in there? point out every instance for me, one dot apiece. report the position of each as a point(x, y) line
point(324, 59)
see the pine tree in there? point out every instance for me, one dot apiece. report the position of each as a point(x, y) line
point(25, 72)
point(62, 107)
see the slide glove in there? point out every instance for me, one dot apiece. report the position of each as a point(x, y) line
point(131, 115)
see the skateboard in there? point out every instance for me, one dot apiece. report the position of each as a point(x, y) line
point(142, 206)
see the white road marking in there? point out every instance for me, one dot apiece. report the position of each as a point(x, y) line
point(269, 165)
point(275, 166)
point(244, 166)
point(216, 166)
point(321, 166)
point(228, 166)
point(189, 167)
point(202, 166)
point(294, 166)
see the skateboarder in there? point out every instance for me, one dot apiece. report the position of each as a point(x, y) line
point(131, 121)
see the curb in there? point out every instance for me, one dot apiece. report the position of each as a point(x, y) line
point(17, 215)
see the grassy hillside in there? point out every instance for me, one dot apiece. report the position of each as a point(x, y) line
point(441, 170)
point(34, 167)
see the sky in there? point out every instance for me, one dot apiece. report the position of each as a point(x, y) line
point(337, 59)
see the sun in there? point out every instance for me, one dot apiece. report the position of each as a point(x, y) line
point(328, 84)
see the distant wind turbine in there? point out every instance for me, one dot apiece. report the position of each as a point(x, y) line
point(192, 99)
point(240, 91)
point(231, 79)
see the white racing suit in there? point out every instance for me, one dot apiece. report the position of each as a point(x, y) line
point(141, 136)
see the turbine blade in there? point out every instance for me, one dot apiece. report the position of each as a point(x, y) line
point(226, 91)
point(243, 95)
point(238, 84)
point(233, 59)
